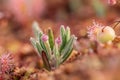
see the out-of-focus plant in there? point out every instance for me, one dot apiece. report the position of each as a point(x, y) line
point(75, 5)
point(53, 52)
point(99, 8)
point(101, 33)
point(112, 2)
point(25, 10)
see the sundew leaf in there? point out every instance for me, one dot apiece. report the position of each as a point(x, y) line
point(51, 38)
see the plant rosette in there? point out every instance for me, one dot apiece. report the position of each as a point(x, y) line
point(53, 51)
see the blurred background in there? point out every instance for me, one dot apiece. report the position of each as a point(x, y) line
point(16, 17)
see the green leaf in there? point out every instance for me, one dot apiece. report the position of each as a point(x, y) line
point(46, 61)
point(33, 42)
point(51, 38)
point(36, 29)
point(57, 54)
point(39, 48)
point(68, 45)
point(47, 45)
point(67, 34)
point(39, 35)
point(63, 37)
point(65, 52)
point(44, 48)
point(66, 56)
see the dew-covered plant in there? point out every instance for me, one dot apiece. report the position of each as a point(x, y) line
point(6, 65)
point(52, 51)
point(101, 33)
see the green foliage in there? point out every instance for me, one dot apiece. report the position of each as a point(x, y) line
point(52, 53)
point(51, 38)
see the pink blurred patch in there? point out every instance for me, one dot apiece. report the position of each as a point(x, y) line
point(44, 37)
point(112, 2)
point(24, 10)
